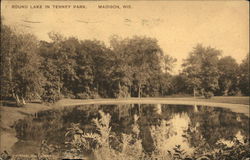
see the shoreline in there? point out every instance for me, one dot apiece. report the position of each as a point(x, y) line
point(9, 115)
point(235, 107)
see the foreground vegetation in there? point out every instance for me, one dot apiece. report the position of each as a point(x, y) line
point(103, 143)
point(130, 67)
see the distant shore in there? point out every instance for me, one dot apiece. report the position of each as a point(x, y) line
point(236, 104)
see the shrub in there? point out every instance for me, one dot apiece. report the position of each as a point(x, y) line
point(208, 95)
point(50, 96)
point(82, 96)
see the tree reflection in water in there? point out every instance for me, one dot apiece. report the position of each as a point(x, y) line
point(191, 127)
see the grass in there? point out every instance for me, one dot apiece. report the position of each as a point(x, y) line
point(9, 114)
point(232, 100)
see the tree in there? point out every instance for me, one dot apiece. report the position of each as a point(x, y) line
point(58, 66)
point(244, 76)
point(68, 67)
point(28, 78)
point(66, 61)
point(228, 76)
point(93, 57)
point(143, 56)
point(121, 68)
point(84, 82)
point(51, 72)
point(201, 69)
point(140, 67)
point(21, 62)
point(7, 48)
point(179, 84)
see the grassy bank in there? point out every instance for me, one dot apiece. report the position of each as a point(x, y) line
point(219, 99)
point(9, 114)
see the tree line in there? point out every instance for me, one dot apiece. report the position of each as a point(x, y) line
point(129, 67)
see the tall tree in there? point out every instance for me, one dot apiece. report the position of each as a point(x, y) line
point(58, 66)
point(201, 69)
point(228, 76)
point(84, 82)
point(94, 56)
point(20, 57)
point(68, 67)
point(179, 84)
point(244, 76)
point(8, 38)
point(121, 68)
point(143, 60)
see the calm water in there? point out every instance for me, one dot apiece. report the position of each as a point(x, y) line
point(189, 126)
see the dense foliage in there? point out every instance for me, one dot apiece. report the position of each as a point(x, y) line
point(20, 62)
point(69, 67)
point(244, 76)
point(130, 67)
point(206, 73)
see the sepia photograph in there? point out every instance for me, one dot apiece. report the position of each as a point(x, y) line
point(124, 80)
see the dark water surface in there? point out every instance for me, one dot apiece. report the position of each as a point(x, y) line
point(189, 126)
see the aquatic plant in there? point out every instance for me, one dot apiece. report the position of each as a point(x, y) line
point(103, 143)
point(131, 144)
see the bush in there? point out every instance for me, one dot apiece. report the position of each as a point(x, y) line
point(87, 95)
point(94, 95)
point(82, 96)
point(208, 95)
point(68, 94)
point(50, 96)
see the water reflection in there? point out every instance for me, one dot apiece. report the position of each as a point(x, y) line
point(180, 124)
point(188, 126)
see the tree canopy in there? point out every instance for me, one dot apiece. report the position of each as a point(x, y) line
point(128, 67)
point(201, 69)
point(244, 76)
point(20, 63)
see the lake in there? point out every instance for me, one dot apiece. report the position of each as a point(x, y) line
point(188, 127)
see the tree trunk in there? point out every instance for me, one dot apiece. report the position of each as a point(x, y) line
point(97, 87)
point(17, 99)
point(10, 69)
point(59, 88)
point(194, 92)
point(23, 101)
point(139, 91)
point(10, 90)
point(119, 90)
point(130, 87)
point(161, 91)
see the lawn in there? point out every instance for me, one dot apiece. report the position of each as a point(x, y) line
point(231, 99)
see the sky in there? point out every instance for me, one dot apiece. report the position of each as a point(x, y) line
point(177, 25)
